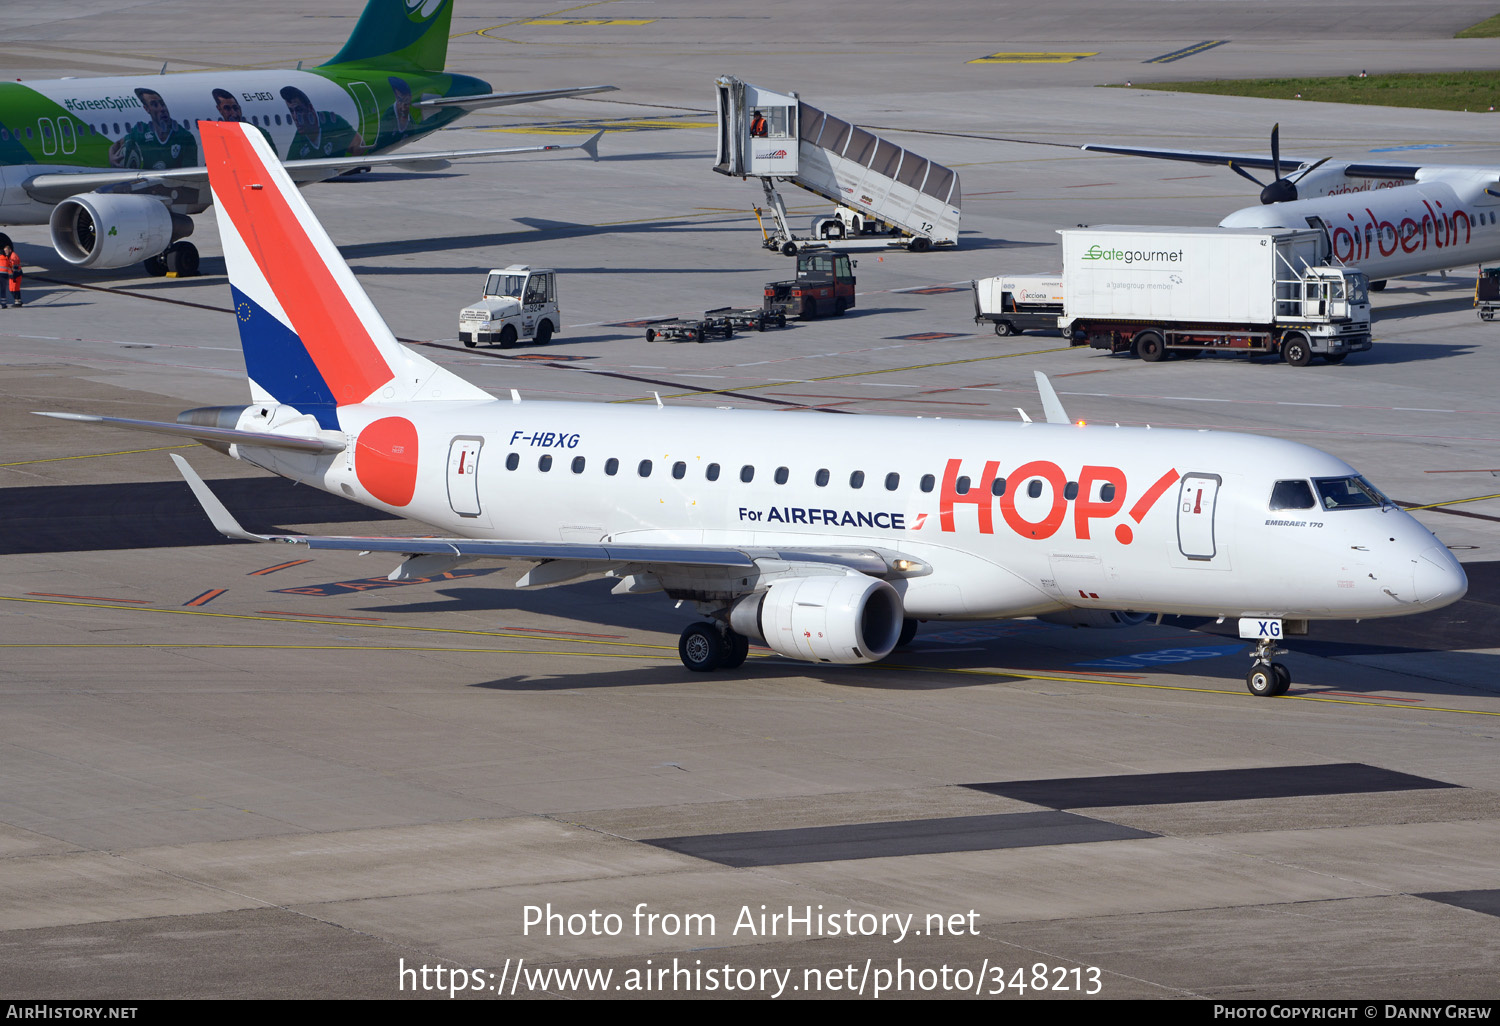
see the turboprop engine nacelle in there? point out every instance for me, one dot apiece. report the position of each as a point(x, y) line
point(1106, 618)
point(826, 618)
point(100, 229)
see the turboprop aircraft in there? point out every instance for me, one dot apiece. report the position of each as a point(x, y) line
point(112, 164)
point(826, 538)
point(1388, 220)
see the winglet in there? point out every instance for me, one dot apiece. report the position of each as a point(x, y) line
point(222, 519)
point(1051, 405)
point(591, 144)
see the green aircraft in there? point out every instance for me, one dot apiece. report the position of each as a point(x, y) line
point(113, 165)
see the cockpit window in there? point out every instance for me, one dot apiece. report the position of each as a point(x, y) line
point(1292, 495)
point(1349, 493)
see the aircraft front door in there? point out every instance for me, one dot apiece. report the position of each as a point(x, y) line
point(463, 476)
point(1195, 515)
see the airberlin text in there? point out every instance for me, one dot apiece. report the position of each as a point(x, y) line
point(825, 517)
point(1362, 239)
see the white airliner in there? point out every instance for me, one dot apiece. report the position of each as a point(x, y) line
point(824, 537)
point(1388, 220)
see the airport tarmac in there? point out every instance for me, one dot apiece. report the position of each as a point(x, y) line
point(231, 770)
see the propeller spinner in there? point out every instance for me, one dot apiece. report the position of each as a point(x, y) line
point(1282, 190)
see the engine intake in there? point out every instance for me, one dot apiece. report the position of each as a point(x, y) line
point(825, 619)
point(104, 230)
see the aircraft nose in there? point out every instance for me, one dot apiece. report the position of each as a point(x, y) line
point(1437, 578)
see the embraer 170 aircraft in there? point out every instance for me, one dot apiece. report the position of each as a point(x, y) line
point(1388, 220)
point(113, 165)
point(824, 537)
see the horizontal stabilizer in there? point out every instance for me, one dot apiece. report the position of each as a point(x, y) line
point(229, 436)
point(506, 99)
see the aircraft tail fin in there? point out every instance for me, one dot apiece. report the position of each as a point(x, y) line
point(311, 336)
point(410, 32)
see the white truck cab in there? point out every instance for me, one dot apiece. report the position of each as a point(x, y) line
point(519, 302)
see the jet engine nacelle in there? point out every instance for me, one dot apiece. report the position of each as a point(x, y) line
point(104, 230)
point(1104, 618)
point(824, 618)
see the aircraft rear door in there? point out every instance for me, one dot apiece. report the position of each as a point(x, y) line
point(1196, 500)
point(369, 112)
point(463, 476)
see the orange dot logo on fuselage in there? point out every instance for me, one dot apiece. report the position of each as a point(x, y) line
point(385, 460)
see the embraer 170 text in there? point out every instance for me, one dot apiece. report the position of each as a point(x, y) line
point(824, 537)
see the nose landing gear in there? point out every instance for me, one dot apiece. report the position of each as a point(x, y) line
point(1267, 679)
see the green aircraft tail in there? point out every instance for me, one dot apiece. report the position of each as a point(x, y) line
point(400, 32)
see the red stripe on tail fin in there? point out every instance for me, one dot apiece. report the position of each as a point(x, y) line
point(278, 241)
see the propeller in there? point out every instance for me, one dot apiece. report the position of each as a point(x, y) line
point(1282, 190)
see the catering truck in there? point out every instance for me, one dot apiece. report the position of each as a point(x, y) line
point(1159, 291)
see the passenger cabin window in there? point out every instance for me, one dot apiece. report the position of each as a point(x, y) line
point(712, 473)
point(782, 474)
point(611, 466)
point(513, 461)
point(1070, 491)
point(544, 464)
point(679, 470)
point(857, 479)
point(1292, 495)
point(927, 482)
point(997, 486)
point(821, 478)
point(644, 468)
point(747, 473)
point(892, 481)
point(578, 463)
point(961, 486)
point(1034, 489)
point(1107, 491)
point(1349, 493)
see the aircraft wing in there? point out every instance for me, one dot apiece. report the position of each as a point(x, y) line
point(602, 554)
point(1406, 172)
point(57, 186)
point(505, 99)
point(1194, 156)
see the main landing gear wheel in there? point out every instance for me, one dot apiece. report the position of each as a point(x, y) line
point(703, 648)
point(736, 650)
point(181, 259)
point(908, 632)
point(156, 266)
